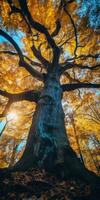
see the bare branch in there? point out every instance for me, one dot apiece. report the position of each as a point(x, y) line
point(14, 10)
point(38, 55)
point(88, 56)
point(95, 112)
point(64, 3)
point(74, 27)
point(66, 41)
point(72, 65)
point(29, 95)
point(42, 29)
point(32, 96)
point(17, 10)
point(22, 62)
point(74, 86)
point(71, 79)
point(36, 25)
point(5, 35)
point(83, 56)
point(34, 63)
point(90, 117)
point(58, 27)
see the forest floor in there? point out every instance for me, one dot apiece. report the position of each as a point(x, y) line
point(38, 185)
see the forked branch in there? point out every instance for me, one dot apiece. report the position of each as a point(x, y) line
point(42, 29)
point(32, 96)
point(22, 62)
point(36, 52)
point(12, 53)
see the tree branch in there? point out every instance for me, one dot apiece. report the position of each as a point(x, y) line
point(14, 9)
point(22, 62)
point(74, 27)
point(38, 55)
point(58, 27)
point(31, 95)
point(74, 86)
point(36, 25)
point(66, 41)
point(83, 56)
point(71, 79)
point(10, 39)
point(34, 63)
point(88, 56)
point(42, 29)
point(71, 65)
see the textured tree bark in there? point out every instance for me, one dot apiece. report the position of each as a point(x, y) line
point(47, 144)
point(47, 138)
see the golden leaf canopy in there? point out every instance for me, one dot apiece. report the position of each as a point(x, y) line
point(79, 46)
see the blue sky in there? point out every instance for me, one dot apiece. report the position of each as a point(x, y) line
point(21, 145)
point(2, 124)
point(16, 35)
point(91, 10)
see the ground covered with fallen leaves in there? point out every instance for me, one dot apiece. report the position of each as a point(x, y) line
point(38, 185)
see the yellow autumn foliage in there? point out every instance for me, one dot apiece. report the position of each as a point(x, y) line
point(15, 79)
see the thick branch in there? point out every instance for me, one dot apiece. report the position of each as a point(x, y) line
point(5, 35)
point(74, 86)
point(83, 57)
point(36, 25)
point(38, 55)
point(58, 27)
point(17, 10)
point(42, 29)
point(29, 95)
point(22, 62)
point(69, 65)
point(34, 63)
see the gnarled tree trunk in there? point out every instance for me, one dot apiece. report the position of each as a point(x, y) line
point(47, 138)
point(47, 145)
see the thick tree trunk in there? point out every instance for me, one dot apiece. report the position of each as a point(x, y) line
point(47, 138)
point(47, 144)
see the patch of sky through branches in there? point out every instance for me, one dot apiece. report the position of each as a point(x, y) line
point(91, 9)
point(16, 35)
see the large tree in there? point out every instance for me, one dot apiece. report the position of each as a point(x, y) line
point(61, 51)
